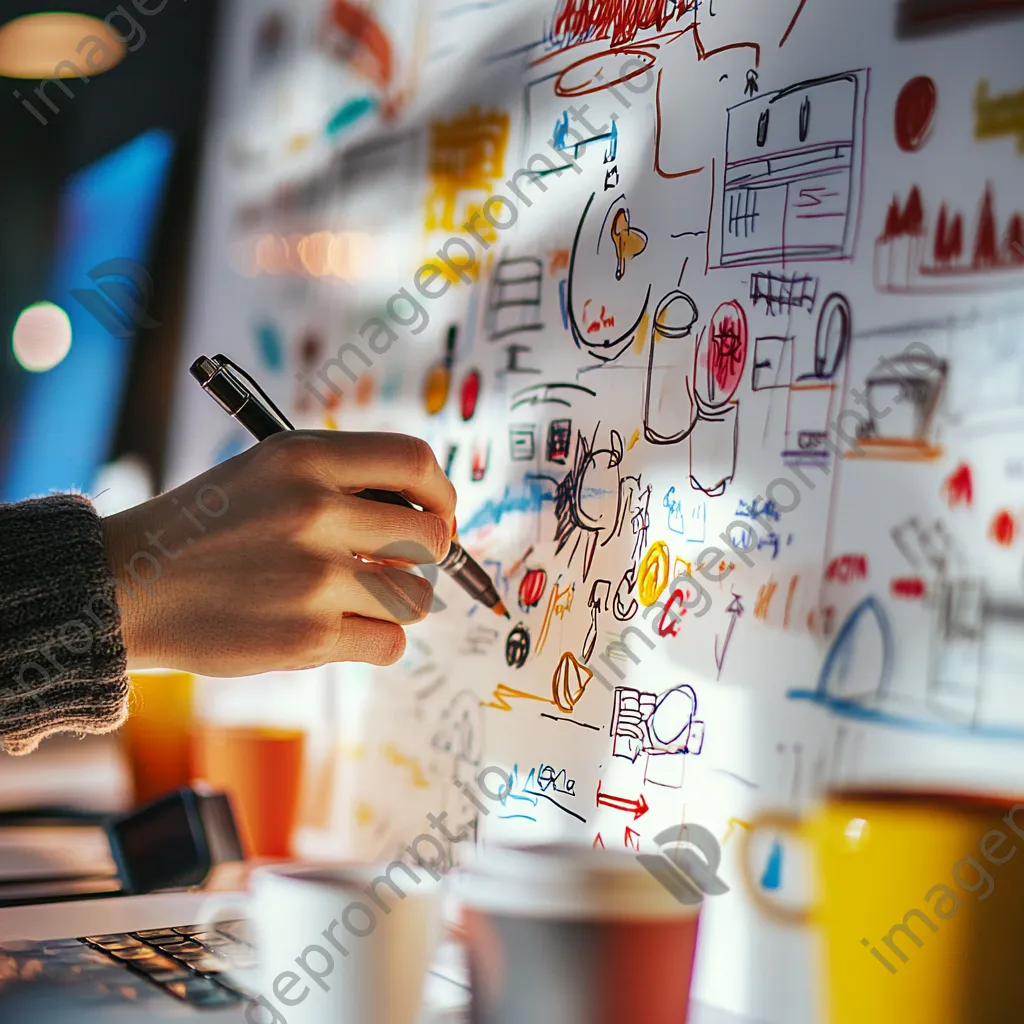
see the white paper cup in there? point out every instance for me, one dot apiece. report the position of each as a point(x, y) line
point(336, 943)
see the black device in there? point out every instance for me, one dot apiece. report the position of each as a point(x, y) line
point(174, 841)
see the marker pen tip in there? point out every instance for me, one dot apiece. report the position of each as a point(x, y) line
point(500, 609)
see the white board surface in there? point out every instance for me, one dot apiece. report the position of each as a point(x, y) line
point(754, 316)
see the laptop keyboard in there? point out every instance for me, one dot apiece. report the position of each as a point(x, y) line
point(189, 963)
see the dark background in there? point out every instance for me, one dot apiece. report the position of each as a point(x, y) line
point(164, 83)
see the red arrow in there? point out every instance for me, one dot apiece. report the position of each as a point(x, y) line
point(620, 803)
point(631, 839)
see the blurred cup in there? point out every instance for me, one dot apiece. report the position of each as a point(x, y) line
point(337, 943)
point(262, 769)
point(576, 935)
point(157, 734)
point(918, 912)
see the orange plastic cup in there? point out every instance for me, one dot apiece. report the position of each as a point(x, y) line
point(262, 770)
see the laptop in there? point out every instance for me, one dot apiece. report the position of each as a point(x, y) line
point(146, 958)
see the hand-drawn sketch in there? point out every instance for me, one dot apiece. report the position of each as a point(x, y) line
point(466, 160)
point(559, 441)
point(459, 731)
point(665, 726)
point(514, 297)
point(783, 292)
point(522, 442)
point(912, 256)
point(584, 518)
point(531, 588)
point(720, 360)
point(670, 409)
point(517, 646)
point(666, 376)
point(791, 178)
point(540, 783)
point(606, 305)
point(810, 378)
point(908, 388)
point(915, 111)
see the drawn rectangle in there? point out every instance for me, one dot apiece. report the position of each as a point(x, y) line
point(522, 442)
point(773, 367)
point(791, 176)
point(559, 440)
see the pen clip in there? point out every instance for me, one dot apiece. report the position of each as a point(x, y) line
point(234, 370)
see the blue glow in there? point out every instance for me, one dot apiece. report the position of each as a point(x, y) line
point(63, 429)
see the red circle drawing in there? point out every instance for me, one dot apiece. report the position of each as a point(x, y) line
point(531, 590)
point(915, 108)
point(469, 394)
point(726, 351)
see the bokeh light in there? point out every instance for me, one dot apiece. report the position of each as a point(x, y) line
point(53, 45)
point(41, 336)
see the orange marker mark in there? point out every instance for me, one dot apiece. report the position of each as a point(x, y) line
point(764, 600)
point(789, 600)
point(559, 602)
point(502, 694)
point(559, 261)
point(568, 682)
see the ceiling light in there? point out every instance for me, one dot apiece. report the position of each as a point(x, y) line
point(58, 45)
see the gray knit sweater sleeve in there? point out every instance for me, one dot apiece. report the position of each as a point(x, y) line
point(62, 657)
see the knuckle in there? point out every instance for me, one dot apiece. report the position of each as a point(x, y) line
point(317, 638)
point(312, 505)
point(436, 536)
point(313, 577)
point(421, 597)
point(290, 451)
point(406, 596)
point(420, 457)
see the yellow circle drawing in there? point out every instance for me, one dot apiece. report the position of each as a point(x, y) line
point(652, 576)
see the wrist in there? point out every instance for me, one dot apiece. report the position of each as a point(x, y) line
point(133, 601)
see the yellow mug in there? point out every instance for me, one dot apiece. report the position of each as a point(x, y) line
point(920, 905)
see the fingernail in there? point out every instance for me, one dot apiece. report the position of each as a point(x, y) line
point(455, 527)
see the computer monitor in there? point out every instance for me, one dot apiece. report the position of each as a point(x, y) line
point(65, 417)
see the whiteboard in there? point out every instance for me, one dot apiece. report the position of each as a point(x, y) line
point(713, 315)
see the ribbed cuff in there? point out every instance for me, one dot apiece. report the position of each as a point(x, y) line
point(62, 657)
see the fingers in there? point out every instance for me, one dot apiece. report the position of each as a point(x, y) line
point(352, 462)
point(369, 640)
point(384, 533)
point(387, 592)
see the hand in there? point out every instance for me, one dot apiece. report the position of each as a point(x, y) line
point(252, 566)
